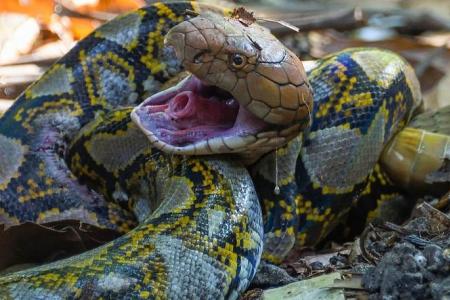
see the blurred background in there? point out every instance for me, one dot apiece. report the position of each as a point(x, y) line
point(35, 33)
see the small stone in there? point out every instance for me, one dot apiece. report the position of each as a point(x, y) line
point(421, 261)
point(316, 265)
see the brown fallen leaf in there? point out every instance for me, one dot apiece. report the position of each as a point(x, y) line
point(244, 16)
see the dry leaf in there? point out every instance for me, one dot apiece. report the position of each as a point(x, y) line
point(314, 288)
point(244, 16)
point(18, 33)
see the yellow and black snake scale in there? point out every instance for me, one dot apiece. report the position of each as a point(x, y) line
point(205, 239)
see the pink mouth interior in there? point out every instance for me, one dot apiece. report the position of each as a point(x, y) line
point(192, 112)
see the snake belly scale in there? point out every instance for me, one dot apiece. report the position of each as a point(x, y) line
point(73, 147)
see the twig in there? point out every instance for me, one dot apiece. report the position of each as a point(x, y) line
point(65, 10)
point(369, 257)
point(35, 59)
point(428, 211)
point(443, 202)
point(339, 20)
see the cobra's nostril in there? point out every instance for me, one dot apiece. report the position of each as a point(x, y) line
point(174, 42)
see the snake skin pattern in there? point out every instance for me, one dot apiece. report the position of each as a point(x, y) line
point(362, 97)
point(209, 229)
point(199, 229)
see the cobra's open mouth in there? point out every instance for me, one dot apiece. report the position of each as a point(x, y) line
point(193, 117)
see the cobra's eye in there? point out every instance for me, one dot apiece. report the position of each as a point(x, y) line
point(237, 60)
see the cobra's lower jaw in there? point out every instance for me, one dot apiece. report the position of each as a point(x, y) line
point(195, 118)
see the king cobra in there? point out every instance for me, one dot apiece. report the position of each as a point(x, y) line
point(108, 137)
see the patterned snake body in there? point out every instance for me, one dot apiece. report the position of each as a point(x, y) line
point(74, 152)
point(362, 97)
point(203, 242)
point(209, 229)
